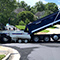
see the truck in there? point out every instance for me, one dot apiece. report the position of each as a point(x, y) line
point(28, 35)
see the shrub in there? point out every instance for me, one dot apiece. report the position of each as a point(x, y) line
point(27, 21)
point(21, 23)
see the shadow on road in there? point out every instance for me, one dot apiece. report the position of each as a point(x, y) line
point(51, 44)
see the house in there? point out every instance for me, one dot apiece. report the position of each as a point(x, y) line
point(19, 10)
point(39, 14)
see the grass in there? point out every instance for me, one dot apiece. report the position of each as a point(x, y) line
point(53, 27)
point(46, 31)
point(1, 57)
point(21, 27)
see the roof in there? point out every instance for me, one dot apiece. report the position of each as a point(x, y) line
point(39, 14)
point(19, 10)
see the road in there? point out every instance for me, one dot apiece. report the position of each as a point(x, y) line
point(37, 51)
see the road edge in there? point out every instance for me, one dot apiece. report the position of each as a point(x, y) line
point(14, 52)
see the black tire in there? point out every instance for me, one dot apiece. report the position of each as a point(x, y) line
point(36, 39)
point(26, 41)
point(55, 37)
point(6, 39)
point(46, 39)
point(19, 41)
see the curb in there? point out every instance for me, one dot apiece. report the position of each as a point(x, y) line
point(12, 54)
point(6, 57)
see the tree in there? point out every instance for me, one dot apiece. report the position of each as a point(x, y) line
point(22, 4)
point(25, 14)
point(39, 6)
point(47, 12)
point(6, 7)
point(27, 8)
point(21, 23)
point(52, 7)
point(33, 10)
point(27, 21)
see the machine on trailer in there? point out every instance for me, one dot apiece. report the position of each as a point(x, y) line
point(28, 34)
point(11, 33)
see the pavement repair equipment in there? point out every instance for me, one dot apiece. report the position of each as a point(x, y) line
point(28, 34)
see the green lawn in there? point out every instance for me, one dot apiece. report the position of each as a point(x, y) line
point(53, 27)
point(1, 57)
point(46, 31)
point(21, 27)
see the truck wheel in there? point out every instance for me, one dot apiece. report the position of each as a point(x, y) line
point(46, 39)
point(6, 39)
point(55, 37)
point(26, 41)
point(35, 39)
point(19, 41)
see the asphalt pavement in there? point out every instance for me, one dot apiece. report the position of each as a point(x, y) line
point(37, 51)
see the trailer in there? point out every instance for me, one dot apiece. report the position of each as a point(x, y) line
point(28, 35)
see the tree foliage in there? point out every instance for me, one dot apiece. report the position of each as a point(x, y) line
point(21, 23)
point(33, 10)
point(27, 21)
point(25, 15)
point(6, 7)
point(39, 6)
point(22, 4)
point(47, 12)
point(52, 7)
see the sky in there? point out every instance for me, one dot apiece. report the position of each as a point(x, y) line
point(32, 2)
